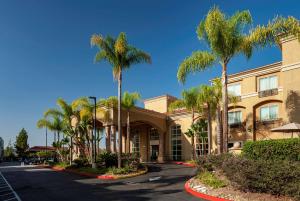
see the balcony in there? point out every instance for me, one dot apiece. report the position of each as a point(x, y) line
point(266, 93)
point(268, 124)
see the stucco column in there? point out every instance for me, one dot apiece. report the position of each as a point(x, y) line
point(114, 138)
point(161, 152)
point(107, 138)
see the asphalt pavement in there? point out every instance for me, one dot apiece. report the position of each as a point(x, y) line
point(162, 182)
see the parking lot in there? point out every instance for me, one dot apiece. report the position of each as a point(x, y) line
point(6, 191)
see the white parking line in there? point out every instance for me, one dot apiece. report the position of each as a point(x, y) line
point(16, 197)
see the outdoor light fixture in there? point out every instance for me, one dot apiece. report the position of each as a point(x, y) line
point(94, 142)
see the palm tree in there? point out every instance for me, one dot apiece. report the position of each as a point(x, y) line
point(66, 113)
point(107, 105)
point(129, 101)
point(226, 36)
point(56, 125)
point(189, 101)
point(121, 56)
point(206, 99)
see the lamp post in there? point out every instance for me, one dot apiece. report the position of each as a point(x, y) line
point(94, 134)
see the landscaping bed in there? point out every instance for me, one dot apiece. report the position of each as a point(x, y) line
point(106, 167)
point(268, 170)
point(228, 192)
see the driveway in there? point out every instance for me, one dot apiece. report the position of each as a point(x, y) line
point(32, 183)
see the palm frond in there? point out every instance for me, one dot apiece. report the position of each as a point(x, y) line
point(129, 99)
point(178, 104)
point(198, 61)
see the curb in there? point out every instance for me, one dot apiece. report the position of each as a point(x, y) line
point(201, 195)
point(185, 164)
point(101, 177)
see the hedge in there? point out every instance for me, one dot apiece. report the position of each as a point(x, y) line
point(277, 177)
point(283, 149)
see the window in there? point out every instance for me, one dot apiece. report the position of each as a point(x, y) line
point(135, 141)
point(269, 112)
point(234, 117)
point(202, 146)
point(234, 89)
point(267, 83)
point(176, 142)
point(154, 134)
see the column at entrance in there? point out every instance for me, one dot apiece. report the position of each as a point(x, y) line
point(161, 151)
point(107, 138)
point(114, 138)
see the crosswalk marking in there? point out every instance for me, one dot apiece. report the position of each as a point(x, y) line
point(6, 191)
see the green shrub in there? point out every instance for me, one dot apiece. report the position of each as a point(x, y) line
point(283, 149)
point(276, 177)
point(124, 170)
point(210, 179)
point(81, 162)
point(212, 162)
point(108, 158)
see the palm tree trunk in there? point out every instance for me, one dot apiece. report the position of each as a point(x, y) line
point(193, 137)
point(209, 127)
point(128, 133)
point(54, 137)
point(119, 118)
point(225, 107)
point(219, 131)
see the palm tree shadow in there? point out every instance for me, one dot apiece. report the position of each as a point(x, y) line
point(292, 106)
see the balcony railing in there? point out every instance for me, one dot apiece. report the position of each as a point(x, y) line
point(234, 99)
point(268, 123)
point(270, 92)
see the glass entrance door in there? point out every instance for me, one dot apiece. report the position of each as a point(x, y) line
point(154, 152)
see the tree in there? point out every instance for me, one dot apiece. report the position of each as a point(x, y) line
point(227, 37)
point(9, 152)
point(107, 105)
point(189, 101)
point(128, 102)
point(206, 99)
point(55, 124)
point(121, 56)
point(21, 144)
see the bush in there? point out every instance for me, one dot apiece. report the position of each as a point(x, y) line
point(276, 177)
point(212, 162)
point(283, 149)
point(131, 160)
point(124, 170)
point(108, 158)
point(81, 162)
point(210, 179)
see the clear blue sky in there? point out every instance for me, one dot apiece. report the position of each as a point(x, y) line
point(45, 51)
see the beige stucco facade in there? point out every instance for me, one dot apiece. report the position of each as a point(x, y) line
point(161, 134)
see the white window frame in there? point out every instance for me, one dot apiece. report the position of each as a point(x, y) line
point(176, 142)
point(241, 117)
point(234, 92)
point(269, 87)
point(269, 106)
point(135, 148)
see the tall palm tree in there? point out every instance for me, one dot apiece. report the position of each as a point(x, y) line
point(129, 100)
point(121, 56)
point(189, 101)
point(227, 37)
